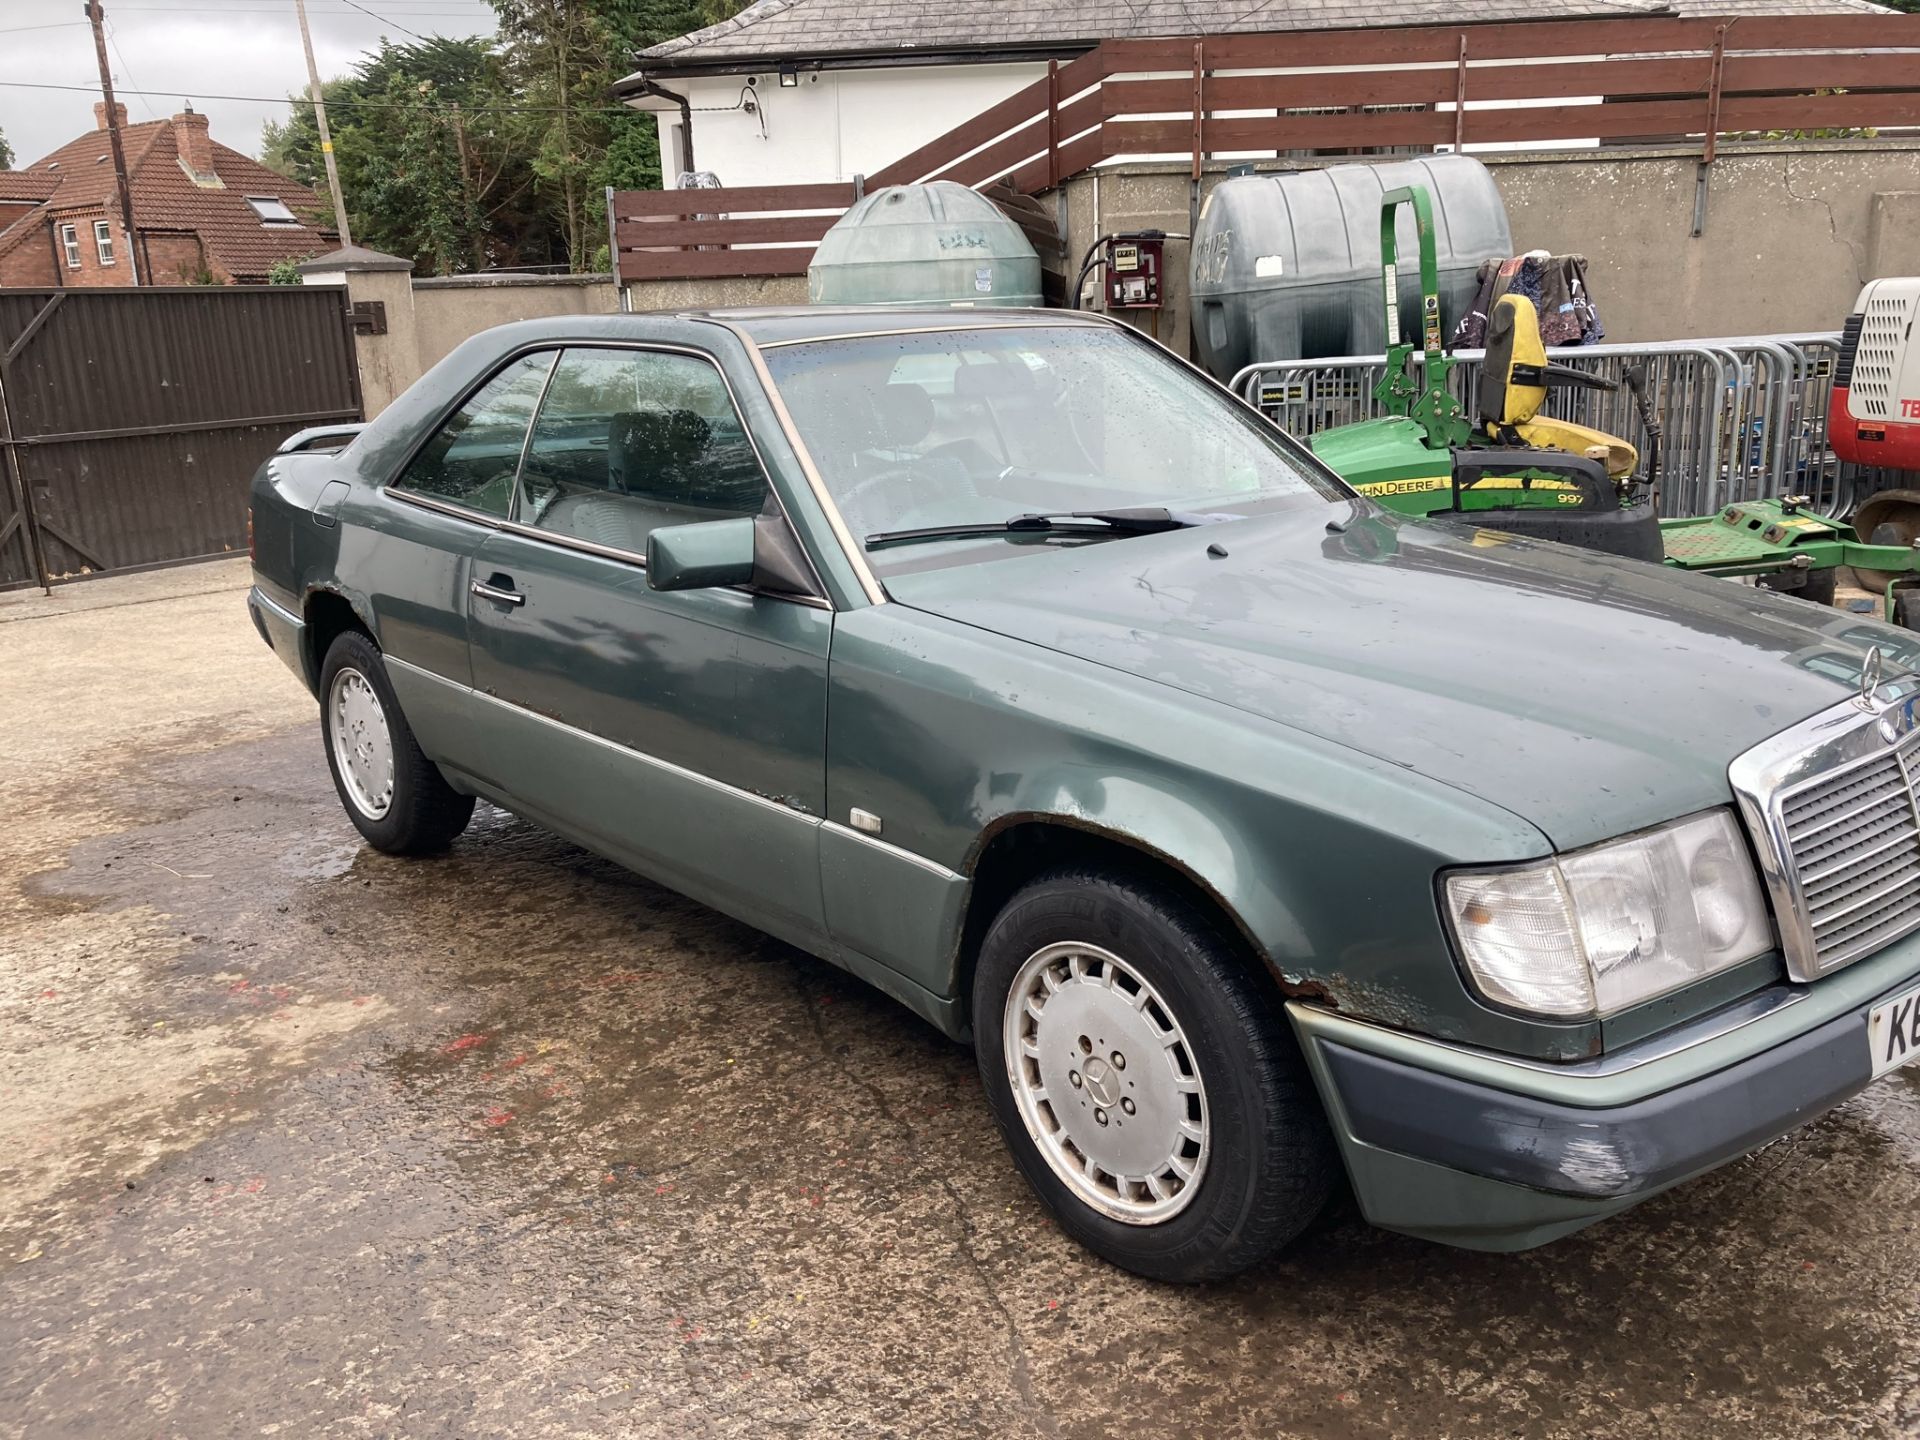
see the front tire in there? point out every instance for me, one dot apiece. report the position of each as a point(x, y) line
point(1145, 1079)
point(395, 796)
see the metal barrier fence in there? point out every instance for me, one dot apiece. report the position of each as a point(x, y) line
point(1741, 418)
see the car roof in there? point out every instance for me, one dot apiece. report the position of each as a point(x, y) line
point(786, 325)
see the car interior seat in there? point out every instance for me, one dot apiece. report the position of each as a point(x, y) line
point(654, 478)
point(1513, 384)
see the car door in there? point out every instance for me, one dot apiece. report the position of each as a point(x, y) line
point(410, 555)
point(683, 733)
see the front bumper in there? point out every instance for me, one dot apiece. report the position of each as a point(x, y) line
point(1489, 1152)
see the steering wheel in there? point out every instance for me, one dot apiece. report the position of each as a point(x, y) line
point(855, 499)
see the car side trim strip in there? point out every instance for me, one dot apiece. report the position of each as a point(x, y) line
point(932, 867)
point(587, 547)
point(735, 791)
point(260, 597)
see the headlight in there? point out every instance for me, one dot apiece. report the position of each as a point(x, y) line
point(1599, 930)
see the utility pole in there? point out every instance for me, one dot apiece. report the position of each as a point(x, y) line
point(326, 135)
point(98, 17)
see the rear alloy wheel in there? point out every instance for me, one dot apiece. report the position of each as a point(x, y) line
point(393, 793)
point(362, 743)
point(1145, 1078)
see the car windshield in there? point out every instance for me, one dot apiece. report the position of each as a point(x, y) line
point(972, 427)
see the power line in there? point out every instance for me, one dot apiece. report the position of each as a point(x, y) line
point(384, 21)
point(145, 103)
point(22, 29)
point(344, 101)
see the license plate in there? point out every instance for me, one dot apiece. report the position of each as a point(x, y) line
point(1893, 1032)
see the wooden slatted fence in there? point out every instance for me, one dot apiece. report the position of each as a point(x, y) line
point(1689, 81)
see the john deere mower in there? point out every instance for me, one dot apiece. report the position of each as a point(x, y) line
point(1505, 466)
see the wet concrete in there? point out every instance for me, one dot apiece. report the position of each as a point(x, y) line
point(297, 1139)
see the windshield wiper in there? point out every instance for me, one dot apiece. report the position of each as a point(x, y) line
point(1140, 520)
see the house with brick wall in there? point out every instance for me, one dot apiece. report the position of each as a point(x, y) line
point(202, 212)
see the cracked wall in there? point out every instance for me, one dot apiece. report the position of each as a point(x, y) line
point(1791, 232)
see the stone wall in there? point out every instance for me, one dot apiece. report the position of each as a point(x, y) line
point(427, 318)
point(447, 311)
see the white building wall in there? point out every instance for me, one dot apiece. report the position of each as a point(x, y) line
point(833, 125)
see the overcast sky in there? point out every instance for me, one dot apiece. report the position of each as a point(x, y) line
point(195, 50)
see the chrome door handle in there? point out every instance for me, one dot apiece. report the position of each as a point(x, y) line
point(494, 592)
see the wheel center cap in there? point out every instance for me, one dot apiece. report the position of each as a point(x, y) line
point(1103, 1084)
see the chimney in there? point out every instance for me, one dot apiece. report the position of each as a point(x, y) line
point(100, 114)
point(194, 146)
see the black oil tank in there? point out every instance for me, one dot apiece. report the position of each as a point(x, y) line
point(1287, 266)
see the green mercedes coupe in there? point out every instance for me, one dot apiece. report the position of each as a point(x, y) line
point(1251, 834)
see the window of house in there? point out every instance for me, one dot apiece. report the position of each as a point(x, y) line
point(272, 210)
point(471, 460)
point(629, 440)
point(103, 241)
point(70, 241)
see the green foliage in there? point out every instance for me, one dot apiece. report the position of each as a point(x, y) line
point(489, 152)
point(433, 156)
point(6, 152)
point(284, 272)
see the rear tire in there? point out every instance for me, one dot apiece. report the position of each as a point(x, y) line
point(395, 796)
point(1168, 1059)
point(1906, 610)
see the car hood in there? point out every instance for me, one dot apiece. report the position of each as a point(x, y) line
point(1587, 694)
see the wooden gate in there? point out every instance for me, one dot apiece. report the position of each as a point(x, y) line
point(132, 420)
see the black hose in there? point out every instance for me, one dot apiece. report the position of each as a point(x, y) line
point(1636, 379)
point(1086, 266)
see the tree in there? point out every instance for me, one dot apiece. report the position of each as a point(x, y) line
point(566, 56)
point(432, 155)
point(466, 154)
point(6, 152)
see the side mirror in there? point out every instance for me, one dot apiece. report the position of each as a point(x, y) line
point(706, 556)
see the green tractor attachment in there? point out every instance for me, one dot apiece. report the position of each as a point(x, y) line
point(1509, 467)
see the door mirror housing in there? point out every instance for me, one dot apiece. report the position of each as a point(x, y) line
point(712, 554)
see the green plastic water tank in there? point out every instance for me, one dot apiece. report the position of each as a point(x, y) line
point(940, 244)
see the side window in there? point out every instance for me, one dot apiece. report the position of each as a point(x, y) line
point(629, 440)
point(471, 460)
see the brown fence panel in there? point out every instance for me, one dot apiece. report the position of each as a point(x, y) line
point(1657, 75)
point(134, 419)
point(661, 235)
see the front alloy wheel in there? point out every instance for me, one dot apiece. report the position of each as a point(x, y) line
point(1143, 1073)
point(1105, 1080)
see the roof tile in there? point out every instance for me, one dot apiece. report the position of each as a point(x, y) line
point(79, 175)
point(772, 30)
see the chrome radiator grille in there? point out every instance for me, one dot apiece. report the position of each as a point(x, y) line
point(1855, 841)
point(1835, 816)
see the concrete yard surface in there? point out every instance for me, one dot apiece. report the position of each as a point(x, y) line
point(300, 1140)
